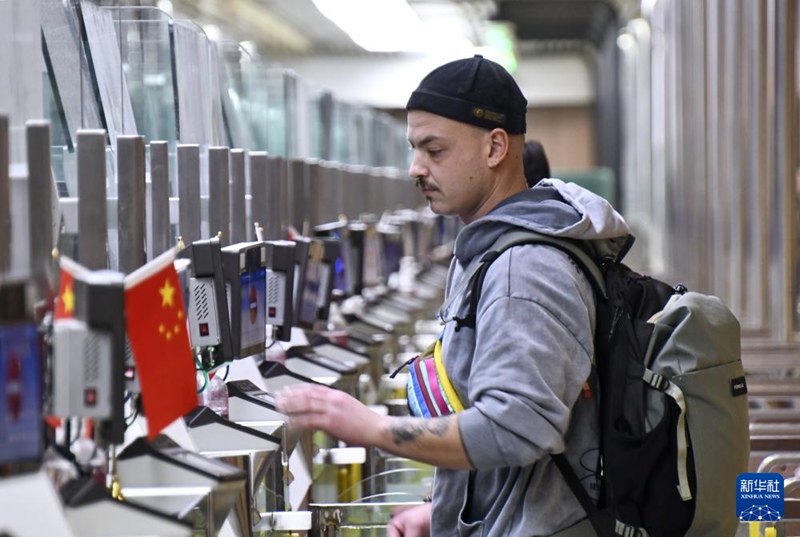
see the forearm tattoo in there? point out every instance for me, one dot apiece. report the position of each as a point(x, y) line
point(410, 429)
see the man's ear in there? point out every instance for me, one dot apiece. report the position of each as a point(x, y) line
point(498, 147)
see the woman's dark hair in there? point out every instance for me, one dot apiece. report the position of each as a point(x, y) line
point(534, 162)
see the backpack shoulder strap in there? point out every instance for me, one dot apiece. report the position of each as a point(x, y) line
point(573, 248)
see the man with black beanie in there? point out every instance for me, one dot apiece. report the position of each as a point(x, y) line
point(501, 395)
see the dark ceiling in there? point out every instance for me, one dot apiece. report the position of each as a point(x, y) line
point(581, 20)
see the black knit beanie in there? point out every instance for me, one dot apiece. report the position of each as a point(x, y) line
point(476, 91)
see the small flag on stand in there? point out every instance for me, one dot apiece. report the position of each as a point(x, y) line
point(69, 271)
point(156, 324)
point(64, 301)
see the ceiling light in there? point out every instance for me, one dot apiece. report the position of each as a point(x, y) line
point(381, 25)
point(165, 6)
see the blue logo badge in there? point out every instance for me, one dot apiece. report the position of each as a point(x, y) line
point(759, 497)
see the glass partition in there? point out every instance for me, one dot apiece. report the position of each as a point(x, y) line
point(137, 70)
point(70, 90)
point(391, 148)
point(363, 135)
point(106, 70)
point(295, 114)
point(145, 37)
point(341, 141)
point(235, 72)
point(278, 116)
point(21, 83)
point(258, 104)
point(198, 88)
point(321, 108)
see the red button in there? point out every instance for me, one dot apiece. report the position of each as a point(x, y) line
point(90, 397)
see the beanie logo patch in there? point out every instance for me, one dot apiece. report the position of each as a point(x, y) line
point(488, 115)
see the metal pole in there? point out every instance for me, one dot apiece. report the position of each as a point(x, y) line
point(5, 198)
point(238, 190)
point(277, 199)
point(159, 198)
point(189, 192)
point(219, 193)
point(92, 210)
point(131, 199)
point(40, 203)
point(258, 191)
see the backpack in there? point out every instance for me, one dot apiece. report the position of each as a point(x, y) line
point(672, 394)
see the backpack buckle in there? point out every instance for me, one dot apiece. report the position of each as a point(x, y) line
point(659, 382)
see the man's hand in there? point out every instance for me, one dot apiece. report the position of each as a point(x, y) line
point(321, 408)
point(435, 441)
point(411, 522)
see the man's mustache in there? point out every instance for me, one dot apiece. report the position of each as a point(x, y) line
point(422, 184)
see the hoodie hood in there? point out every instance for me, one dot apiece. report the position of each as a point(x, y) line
point(552, 207)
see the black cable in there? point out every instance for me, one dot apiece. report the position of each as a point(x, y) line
point(132, 418)
point(67, 432)
point(79, 429)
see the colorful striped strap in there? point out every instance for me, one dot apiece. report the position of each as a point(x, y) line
point(441, 375)
point(435, 389)
point(423, 385)
point(416, 402)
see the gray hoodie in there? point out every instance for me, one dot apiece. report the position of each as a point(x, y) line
point(521, 373)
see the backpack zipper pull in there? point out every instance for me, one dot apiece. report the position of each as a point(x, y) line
point(404, 364)
point(617, 316)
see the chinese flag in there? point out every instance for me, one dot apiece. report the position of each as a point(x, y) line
point(69, 270)
point(156, 325)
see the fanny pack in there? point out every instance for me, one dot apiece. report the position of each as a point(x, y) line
point(430, 393)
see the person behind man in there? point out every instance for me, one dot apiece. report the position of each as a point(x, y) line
point(520, 372)
point(534, 162)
